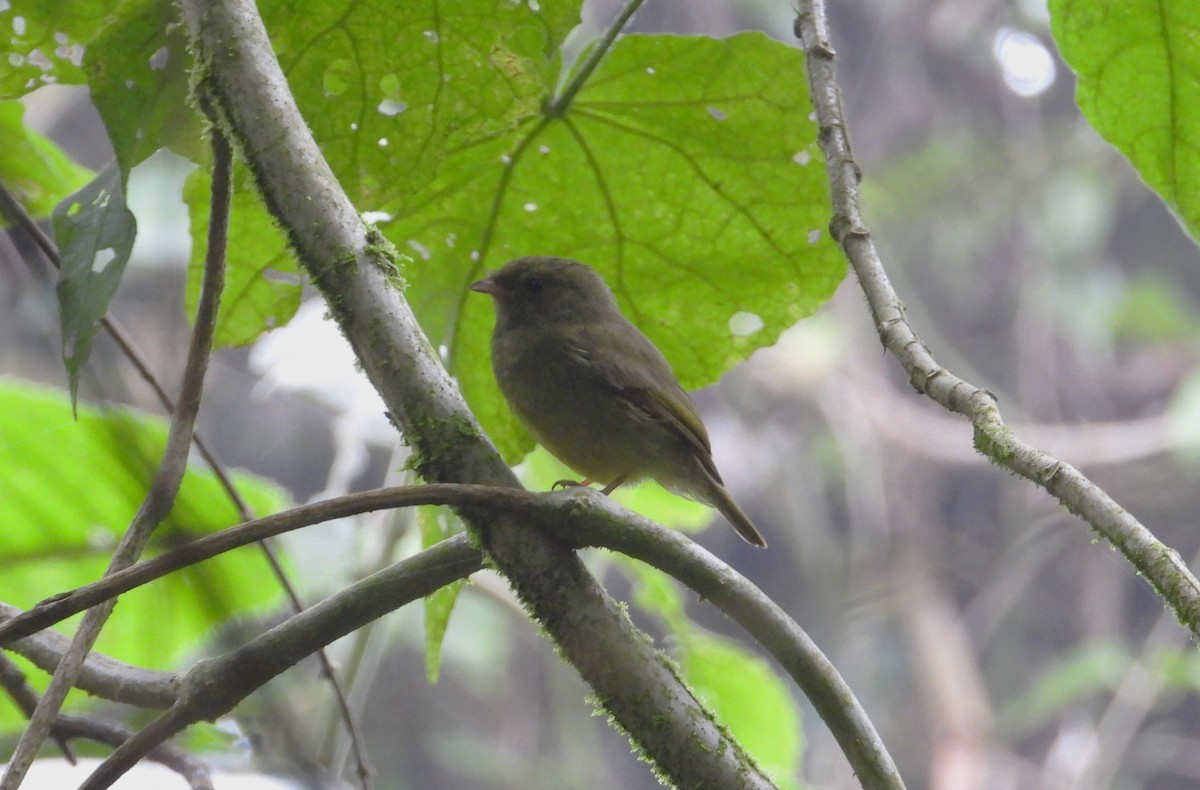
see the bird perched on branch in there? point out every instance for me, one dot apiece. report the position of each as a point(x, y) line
point(593, 390)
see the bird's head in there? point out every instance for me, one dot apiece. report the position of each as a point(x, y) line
point(543, 289)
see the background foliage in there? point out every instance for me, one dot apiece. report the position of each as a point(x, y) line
point(983, 631)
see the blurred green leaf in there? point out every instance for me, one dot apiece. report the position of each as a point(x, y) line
point(657, 593)
point(138, 69)
point(742, 689)
point(750, 699)
point(1178, 669)
point(437, 524)
point(388, 88)
point(1154, 309)
point(540, 470)
point(1137, 64)
point(1183, 417)
point(71, 487)
point(263, 285)
point(94, 231)
point(46, 45)
point(1085, 671)
point(33, 167)
point(686, 172)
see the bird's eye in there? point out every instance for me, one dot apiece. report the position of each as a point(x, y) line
point(534, 284)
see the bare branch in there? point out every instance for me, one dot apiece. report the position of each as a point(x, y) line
point(580, 517)
point(11, 208)
point(70, 726)
point(355, 268)
point(167, 478)
point(101, 676)
point(1158, 563)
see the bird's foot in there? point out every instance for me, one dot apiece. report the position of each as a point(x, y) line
point(570, 484)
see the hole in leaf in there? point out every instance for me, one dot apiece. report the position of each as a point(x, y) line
point(102, 258)
point(158, 61)
point(742, 323)
point(420, 249)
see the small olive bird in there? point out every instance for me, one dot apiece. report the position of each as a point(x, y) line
point(593, 390)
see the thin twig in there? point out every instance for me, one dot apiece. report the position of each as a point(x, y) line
point(558, 106)
point(63, 605)
point(102, 676)
point(12, 209)
point(355, 271)
point(1158, 563)
point(580, 518)
point(71, 726)
point(165, 485)
point(12, 679)
point(221, 683)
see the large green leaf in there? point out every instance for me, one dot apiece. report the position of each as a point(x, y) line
point(740, 687)
point(540, 471)
point(47, 41)
point(71, 487)
point(436, 525)
point(686, 172)
point(262, 282)
point(138, 69)
point(94, 230)
point(751, 700)
point(1138, 67)
point(387, 87)
point(32, 166)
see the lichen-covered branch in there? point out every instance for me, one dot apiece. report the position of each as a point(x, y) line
point(582, 518)
point(354, 270)
point(1158, 563)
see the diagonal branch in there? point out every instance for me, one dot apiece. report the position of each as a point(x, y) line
point(582, 518)
point(16, 214)
point(93, 728)
point(167, 478)
point(1160, 564)
point(101, 675)
point(356, 271)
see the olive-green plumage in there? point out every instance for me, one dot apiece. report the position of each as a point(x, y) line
point(593, 390)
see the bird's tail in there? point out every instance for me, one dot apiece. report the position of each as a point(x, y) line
point(723, 502)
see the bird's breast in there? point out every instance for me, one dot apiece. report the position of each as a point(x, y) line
point(582, 419)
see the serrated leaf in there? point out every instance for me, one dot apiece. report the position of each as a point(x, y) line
point(750, 699)
point(47, 43)
point(657, 593)
point(386, 87)
point(105, 459)
point(738, 686)
point(436, 525)
point(262, 281)
point(686, 172)
point(138, 69)
point(1138, 68)
point(540, 471)
point(32, 166)
point(95, 232)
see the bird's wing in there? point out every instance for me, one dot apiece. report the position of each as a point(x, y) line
point(640, 375)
